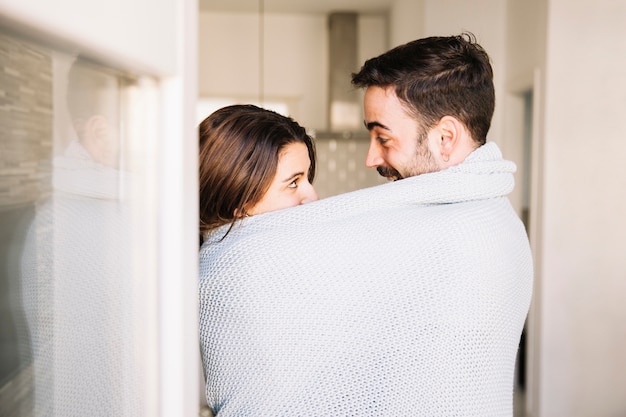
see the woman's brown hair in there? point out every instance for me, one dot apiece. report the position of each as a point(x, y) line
point(238, 157)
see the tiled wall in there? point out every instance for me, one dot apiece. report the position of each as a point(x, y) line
point(25, 122)
point(25, 150)
point(341, 166)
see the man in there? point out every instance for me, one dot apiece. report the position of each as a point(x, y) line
point(428, 104)
point(407, 298)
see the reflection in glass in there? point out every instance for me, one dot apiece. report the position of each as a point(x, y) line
point(76, 324)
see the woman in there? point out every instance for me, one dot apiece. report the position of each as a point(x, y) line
point(252, 161)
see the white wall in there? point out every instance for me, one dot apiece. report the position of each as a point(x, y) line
point(526, 41)
point(525, 61)
point(408, 21)
point(373, 37)
point(525, 71)
point(295, 69)
point(295, 49)
point(143, 34)
point(576, 52)
point(228, 54)
point(583, 313)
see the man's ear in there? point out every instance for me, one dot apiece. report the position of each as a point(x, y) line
point(98, 128)
point(89, 137)
point(99, 140)
point(451, 135)
point(450, 129)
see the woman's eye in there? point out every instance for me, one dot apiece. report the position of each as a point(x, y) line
point(293, 184)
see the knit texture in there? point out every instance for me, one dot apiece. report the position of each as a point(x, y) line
point(78, 287)
point(405, 299)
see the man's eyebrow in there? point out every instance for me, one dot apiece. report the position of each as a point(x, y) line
point(371, 125)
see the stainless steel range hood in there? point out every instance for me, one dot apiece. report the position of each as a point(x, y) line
point(345, 119)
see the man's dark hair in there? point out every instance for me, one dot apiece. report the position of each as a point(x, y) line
point(436, 77)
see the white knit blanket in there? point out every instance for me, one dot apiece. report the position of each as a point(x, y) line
point(405, 299)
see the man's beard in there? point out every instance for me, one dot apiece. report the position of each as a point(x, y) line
point(422, 163)
point(389, 173)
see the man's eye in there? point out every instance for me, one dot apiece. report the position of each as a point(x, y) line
point(380, 140)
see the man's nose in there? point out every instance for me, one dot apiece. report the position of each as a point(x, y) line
point(373, 158)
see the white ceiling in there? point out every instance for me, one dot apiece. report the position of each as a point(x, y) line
point(296, 6)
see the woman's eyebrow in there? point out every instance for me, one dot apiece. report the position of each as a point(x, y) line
point(293, 176)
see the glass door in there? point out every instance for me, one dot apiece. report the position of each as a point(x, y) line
point(79, 336)
point(98, 238)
